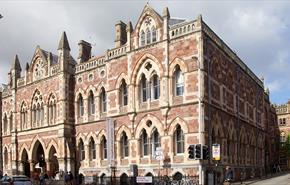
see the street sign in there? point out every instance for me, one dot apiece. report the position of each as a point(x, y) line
point(141, 179)
point(216, 152)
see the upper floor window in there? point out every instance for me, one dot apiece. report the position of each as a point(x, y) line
point(124, 145)
point(103, 98)
point(148, 36)
point(143, 85)
point(124, 94)
point(282, 121)
point(154, 34)
point(80, 106)
point(155, 87)
point(5, 125)
point(91, 103)
point(155, 141)
point(148, 32)
point(179, 140)
point(82, 150)
point(104, 148)
point(23, 117)
point(178, 82)
point(92, 148)
point(144, 145)
point(142, 38)
point(11, 121)
point(51, 110)
point(282, 137)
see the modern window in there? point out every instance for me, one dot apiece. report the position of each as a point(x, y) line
point(178, 82)
point(179, 140)
point(92, 148)
point(144, 143)
point(124, 93)
point(124, 146)
point(91, 103)
point(81, 106)
point(103, 100)
point(82, 150)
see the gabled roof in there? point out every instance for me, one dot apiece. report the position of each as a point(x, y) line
point(145, 10)
point(175, 21)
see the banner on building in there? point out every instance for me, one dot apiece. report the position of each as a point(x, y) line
point(110, 142)
point(216, 152)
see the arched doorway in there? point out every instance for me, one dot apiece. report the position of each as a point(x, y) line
point(124, 180)
point(53, 167)
point(25, 163)
point(38, 158)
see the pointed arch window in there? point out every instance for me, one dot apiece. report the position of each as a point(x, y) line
point(23, 117)
point(155, 83)
point(142, 38)
point(81, 106)
point(178, 82)
point(154, 34)
point(104, 148)
point(11, 122)
point(124, 146)
point(155, 140)
point(34, 115)
point(124, 93)
point(51, 110)
point(103, 101)
point(5, 158)
point(179, 140)
point(82, 152)
point(92, 148)
point(5, 125)
point(148, 36)
point(144, 144)
point(91, 103)
point(143, 87)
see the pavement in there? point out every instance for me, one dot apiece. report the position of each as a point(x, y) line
point(282, 178)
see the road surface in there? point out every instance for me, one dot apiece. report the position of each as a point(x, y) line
point(281, 180)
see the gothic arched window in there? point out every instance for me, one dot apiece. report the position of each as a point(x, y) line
point(144, 144)
point(82, 152)
point(123, 93)
point(148, 36)
point(91, 103)
point(103, 97)
point(155, 84)
point(178, 81)
point(124, 145)
point(155, 140)
point(80, 106)
point(179, 140)
point(142, 38)
point(92, 149)
point(143, 87)
point(154, 34)
point(104, 148)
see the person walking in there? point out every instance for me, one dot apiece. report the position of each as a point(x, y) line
point(229, 176)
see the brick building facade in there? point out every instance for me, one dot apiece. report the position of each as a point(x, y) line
point(167, 83)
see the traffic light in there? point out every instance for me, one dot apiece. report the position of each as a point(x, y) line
point(198, 151)
point(191, 152)
point(205, 152)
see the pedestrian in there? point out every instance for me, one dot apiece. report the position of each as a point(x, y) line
point(67, 178)
point(228, 176)
point(71, 177)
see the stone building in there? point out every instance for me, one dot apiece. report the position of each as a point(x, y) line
point(167, 83)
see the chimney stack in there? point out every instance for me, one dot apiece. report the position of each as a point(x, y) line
point(121, 34)
point(84, 51)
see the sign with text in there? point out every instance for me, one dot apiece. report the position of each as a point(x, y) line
point(140, 179)
point(158, 154)
point(216, 152)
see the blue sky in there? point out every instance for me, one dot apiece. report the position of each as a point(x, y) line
point(258, 31)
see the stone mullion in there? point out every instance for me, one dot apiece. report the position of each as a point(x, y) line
point(87, 155)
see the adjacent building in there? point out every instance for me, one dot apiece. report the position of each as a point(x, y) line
point(168, 83)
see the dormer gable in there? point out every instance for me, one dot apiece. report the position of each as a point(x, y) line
point(149, 27)
point(39, 64)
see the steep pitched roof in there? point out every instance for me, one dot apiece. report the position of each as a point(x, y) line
point(63, 43)
point(16, 64)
